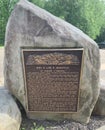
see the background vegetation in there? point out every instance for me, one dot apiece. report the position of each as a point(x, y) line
point(88, 15)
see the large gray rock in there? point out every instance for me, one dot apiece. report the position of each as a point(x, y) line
point(100, 105)
point(32, 27)
point(10, 117)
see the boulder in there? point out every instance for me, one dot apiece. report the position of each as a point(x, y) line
point(32, 27)
point(100, 105)
point(10, 116)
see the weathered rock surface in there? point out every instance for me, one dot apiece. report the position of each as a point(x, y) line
point(32, 27)
point(101, 128)
point(100, 105)
point(10, 117)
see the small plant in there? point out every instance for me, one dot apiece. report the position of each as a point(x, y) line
point(35, 127)
point(22, 128)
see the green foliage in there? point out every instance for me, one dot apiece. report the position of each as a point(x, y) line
point(88, 15)
point(6, 6)
point(40, 3)
point(101, 37)
point(1, 46)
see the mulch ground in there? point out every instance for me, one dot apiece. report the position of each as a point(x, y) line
point(95, 123)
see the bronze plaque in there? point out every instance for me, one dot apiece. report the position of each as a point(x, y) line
point(52, 79)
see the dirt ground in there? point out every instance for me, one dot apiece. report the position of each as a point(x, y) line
point(95, 122)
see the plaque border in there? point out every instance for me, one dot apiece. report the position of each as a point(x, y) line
point(24, 77)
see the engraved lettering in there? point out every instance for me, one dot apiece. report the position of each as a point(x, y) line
point(52, 79)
